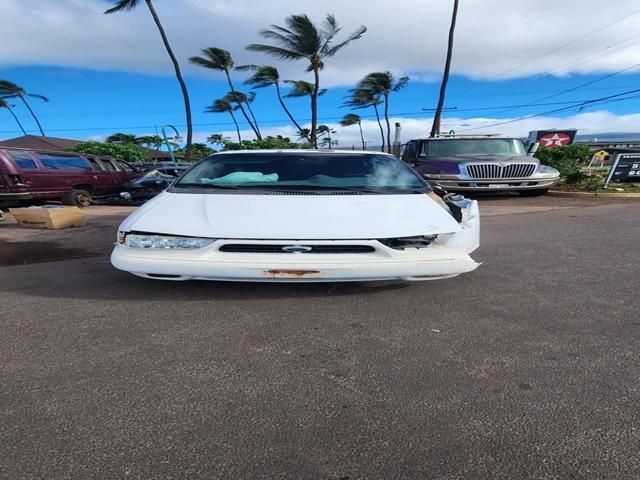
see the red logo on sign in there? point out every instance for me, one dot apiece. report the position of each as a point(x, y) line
point(554, 140)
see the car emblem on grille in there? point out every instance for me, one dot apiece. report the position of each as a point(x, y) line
point(297, 249)
point(503, 164)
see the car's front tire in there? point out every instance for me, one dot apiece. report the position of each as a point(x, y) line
point(538, 192)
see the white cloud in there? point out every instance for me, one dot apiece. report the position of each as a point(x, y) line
point(590, 123)
point(404, 35)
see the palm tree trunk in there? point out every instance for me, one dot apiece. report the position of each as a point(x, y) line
point(364, 147)
point(314, 107)
point(183, 85)
point(375, 107)
point(386, 119)
point(435, 128)
point(255, 122)
point(24, 100)
point(237, 126)
point(17, 121)
point(255, 130)
point(284, 106)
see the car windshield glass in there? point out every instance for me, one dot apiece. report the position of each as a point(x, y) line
point(319, 171)
point(490, 146)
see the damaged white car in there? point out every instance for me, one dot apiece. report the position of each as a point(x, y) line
point(299, 216)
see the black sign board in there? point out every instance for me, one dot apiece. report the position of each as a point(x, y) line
point(625, 168)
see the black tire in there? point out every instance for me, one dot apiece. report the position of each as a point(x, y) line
point(78, 197)
point(534, 193)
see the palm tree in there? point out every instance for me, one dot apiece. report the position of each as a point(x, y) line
point(8, 106)
point(223, 105)
point(11, 90)
point(216, 139)
point(221, 60)
point(302, 40)
point(435, 128)
point(382, 84)
point(126, 5)
point(353, 119)
point(303, 134)
point(300, 88)
point(326, 141)
point(360, 98)
point(265, 76)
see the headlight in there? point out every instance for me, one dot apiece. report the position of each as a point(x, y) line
point(547, 170)
point(165, 242)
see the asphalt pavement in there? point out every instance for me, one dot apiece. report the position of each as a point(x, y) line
point(526, 368)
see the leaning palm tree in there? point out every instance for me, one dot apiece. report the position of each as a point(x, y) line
point(360, 98)
point(382, 84)
point(302, 40)
point(126, 5)
point(224, 106)
point(353, 119)
point(11, 90)
point(8, 106)
point(265, 76)
point(221, 60)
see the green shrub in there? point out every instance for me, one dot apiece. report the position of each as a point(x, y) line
point(122, 151)
point(566, 160)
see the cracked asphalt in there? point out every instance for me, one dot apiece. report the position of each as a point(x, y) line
point(528, 368)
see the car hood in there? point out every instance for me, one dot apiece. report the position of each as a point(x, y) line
point(479, 159)
point(299, 217)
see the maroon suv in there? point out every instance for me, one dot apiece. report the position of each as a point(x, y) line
point(28, 175)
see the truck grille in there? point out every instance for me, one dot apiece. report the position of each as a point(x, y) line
point(490, 170)
point(266, 248)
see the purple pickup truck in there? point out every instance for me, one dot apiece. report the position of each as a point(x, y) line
point(29, 176)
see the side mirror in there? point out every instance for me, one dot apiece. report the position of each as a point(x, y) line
point(533, 148)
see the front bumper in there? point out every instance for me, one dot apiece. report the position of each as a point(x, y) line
point(433, 262)
point(456, 183)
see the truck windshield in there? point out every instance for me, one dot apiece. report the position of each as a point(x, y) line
point(309, 171)
point(507, 147)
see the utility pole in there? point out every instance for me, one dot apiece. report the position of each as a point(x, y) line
point(435, 128)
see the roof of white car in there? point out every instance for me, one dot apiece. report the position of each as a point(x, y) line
point(306, 151)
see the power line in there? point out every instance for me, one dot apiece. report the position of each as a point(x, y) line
point(579, 105)
point(573, 89)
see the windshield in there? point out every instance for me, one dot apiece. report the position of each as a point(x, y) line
point(507, 147)
point(303, 170)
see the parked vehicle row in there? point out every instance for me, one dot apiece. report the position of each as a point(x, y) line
point(27, 176)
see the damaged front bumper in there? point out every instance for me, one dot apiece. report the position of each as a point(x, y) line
point(447, 256)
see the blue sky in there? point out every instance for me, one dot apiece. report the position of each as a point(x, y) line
point(125, 83)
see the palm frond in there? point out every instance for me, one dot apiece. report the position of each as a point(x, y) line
point(278, 52)
point(331, 51)
point(35, 95)
point(400, 84)
point(122, 6)
point(246, 68)
point(9, 88)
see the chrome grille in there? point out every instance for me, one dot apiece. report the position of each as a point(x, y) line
point(278, 248)
point(492, 170)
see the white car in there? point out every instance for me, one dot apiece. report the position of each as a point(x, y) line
point(299, 216)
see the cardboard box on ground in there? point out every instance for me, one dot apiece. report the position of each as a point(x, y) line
point(51, 217)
